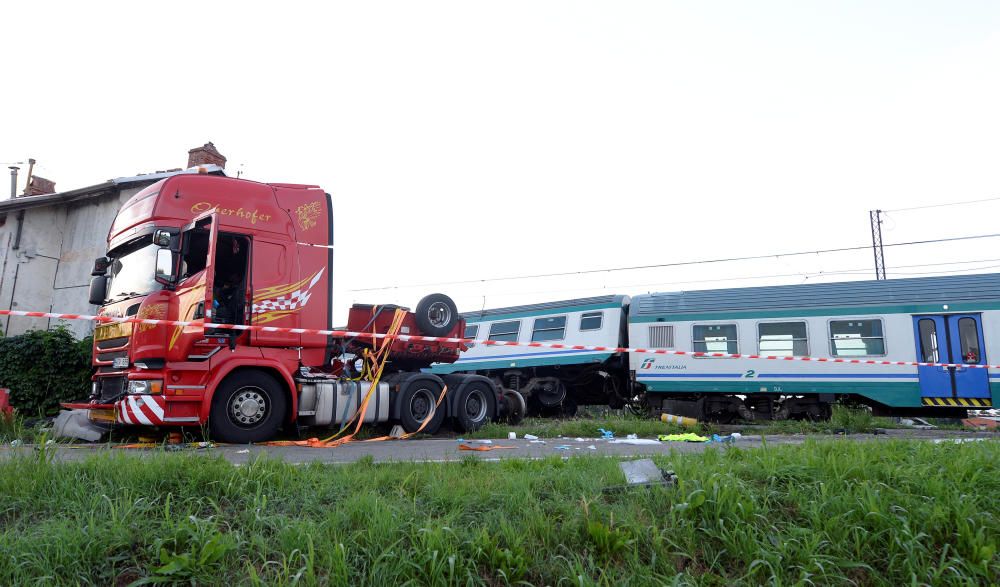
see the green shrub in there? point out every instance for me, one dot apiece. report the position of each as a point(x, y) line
point(43, 368)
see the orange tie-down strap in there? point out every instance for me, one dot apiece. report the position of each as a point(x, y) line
point(335, 442)
point(381, 358)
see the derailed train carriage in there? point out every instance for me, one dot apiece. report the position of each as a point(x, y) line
point(953, 319)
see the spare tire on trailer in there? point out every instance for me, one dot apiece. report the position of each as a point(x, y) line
point(436, 315)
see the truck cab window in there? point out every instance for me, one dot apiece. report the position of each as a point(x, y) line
point(231, 279)
point(194, 256)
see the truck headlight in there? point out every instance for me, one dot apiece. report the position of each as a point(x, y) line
point(143, 386)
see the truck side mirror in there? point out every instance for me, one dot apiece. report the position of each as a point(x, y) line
point(100, 266)
point(164, 267)
point(98, 289)
point(161, 238)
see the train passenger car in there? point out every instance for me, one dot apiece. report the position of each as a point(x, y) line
point(553, 381)
point(954, 319)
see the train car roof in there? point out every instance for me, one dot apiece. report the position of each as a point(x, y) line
point(579, 304)
point(952, 289)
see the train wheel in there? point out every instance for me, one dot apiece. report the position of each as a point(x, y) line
point(418, 402)
point(248, 407)
point(474, 408)
point(514, 407)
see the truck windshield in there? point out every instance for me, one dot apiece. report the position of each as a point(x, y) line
point(132, 270)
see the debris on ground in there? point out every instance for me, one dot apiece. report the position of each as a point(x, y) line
point(918, 423)
point(530, 437)
point(605, 434)
point(643, 473)
point(76, 424)
point(681, 420)
point(730, 439)
point(245, 451)
point(686, 437)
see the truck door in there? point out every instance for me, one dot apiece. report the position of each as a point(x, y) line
point(953, 338)
point(209, 221)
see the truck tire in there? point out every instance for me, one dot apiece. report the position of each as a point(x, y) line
point(416, 401)
point(474, 407)
point(248, 406)
point(436, 315)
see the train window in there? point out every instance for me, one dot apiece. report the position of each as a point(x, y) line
point(591, 320)
point(856, 338)
point(928, 341)
point(715, 338)
point(549, 328)
point(506, 331)
point(471, 331)
point(968, 334)
point(782, 339)
point(661, 337)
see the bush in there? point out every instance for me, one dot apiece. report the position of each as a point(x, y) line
point(43, 368)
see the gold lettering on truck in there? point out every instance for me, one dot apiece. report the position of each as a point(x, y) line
point(251, 216)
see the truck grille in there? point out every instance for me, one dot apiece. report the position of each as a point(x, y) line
point(112, 343)
point(110, 388)
point(110, 355)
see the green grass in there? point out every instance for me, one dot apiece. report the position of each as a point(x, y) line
point(826, 512)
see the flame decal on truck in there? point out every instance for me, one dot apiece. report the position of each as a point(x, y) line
point(273, 303)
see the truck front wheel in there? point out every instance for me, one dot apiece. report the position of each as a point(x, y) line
point(247, 407)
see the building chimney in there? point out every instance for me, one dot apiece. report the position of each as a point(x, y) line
point(206, 154)
point(39, 185)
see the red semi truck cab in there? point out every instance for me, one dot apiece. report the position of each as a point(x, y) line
point(211, 249)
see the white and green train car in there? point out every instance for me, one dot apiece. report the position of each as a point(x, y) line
point(954, 319)
point(553, 381)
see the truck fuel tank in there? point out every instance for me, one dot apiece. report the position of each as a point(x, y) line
point(322, 403)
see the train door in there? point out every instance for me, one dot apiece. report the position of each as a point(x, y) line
point(953, 338)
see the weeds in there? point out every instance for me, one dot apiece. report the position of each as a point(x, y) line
point(887, 513)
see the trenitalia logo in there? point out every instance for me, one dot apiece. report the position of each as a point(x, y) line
point(647, 364)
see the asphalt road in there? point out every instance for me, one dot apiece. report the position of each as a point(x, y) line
point(447, 450)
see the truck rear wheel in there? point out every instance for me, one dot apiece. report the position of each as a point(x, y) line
point(417, 402)
point(474, 407)
point(248, 407)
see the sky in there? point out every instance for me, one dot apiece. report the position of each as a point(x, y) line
point(465, 141)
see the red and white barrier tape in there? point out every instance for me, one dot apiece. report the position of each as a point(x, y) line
point(419, 338)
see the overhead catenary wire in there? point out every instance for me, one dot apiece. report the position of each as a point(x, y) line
point(674, 264)
point(808, 275)
point(943, 205)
